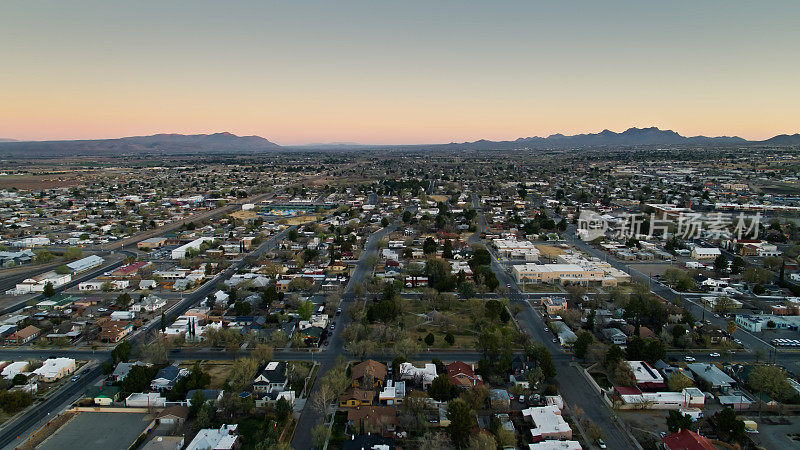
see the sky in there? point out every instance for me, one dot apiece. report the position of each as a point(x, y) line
point(397, 72)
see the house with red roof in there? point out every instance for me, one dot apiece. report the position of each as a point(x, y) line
point(462, 374)
point(687, 440)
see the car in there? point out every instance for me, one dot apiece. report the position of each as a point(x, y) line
point(546, 329)
point(555, 341)
point(102, 309)
point(326, 343)
point(689, 359)
point(175, 350)
point(85, 371)
point(333, 326)
point(663, 434)
point(738, 341)
point(511, 396)
point(601, 444)
point(521, 399)
point(75, 378)
point(714, 355)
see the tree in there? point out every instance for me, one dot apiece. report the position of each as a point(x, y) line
point(429, 246)
point(63, 270)
point(447, 249)
point(466, 290)
point(461, 421)
point(429, 339)
point(614, 355)
point(757, 275)
point(449, 339)
point(262, 353)
point(737, 265)
point(43, 256)
point(482, 441)
point(48, 290)
point(196, 403)
point(441, 389)
point(678, 382)
point(729, 427)
point(319, 435)
point(121, 352)
point(581, 345)
point(720, 264)
point(546, 363)
point(19, 379)
point(677, 421)
point(723, 305)
point(305, 310)
point(72, 253)
point(123, 300)
point(283, 409)
point(770, 380)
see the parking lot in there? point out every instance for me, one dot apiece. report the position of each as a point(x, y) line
point(98, 430)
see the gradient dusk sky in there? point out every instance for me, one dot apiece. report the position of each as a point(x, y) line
point(396, 72)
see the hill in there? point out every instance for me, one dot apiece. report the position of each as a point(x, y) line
point(155, 144)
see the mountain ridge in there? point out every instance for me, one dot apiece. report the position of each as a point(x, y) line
point(163, 143)
point(174, 143)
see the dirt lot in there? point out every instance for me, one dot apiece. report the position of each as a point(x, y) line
point(549, 251)
point(217, 370)
point(35, 182)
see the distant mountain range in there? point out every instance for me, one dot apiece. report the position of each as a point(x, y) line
point(230, 143)
point(155, 144)
point(606, 138)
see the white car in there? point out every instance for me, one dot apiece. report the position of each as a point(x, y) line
point(714, 355)
point(689, 359)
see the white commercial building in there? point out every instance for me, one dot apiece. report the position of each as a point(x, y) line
point(180, 252)
point(90, 262)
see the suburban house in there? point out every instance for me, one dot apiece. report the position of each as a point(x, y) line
point(225, 437)
point(547, 423)
point(614, 335)
point(167, 377)
point(421, 375)
point(114, 330)
point(54, 369)
point(23, 336)
point(271, 377)
point(686, 440)
point(393, 393)
point(374, 419)
point(368, 375)
point(462, 375)
point(353, 398)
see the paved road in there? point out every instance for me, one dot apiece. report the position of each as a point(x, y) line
point(691, 302)
point(32, 417)
point(309, 416)
point(37, 415)
point(16, 305)
point(573, 387)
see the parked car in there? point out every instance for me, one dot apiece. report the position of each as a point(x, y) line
point(601, 444)
point(714, 355)
point(521, 399)
point(689, 359)
point(75, 378)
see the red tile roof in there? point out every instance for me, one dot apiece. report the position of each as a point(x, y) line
point(687, 440)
